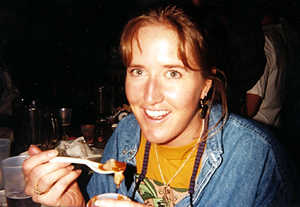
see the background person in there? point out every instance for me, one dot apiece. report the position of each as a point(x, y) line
point(236, 42)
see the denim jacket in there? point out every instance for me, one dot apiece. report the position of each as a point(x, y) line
point(242, 165)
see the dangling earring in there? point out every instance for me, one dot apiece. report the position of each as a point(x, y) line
point(203, 107)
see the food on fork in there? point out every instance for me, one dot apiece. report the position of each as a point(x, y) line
point(117, 167)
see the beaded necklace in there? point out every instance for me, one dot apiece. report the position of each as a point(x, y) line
point(167, 187)
point(201, 146)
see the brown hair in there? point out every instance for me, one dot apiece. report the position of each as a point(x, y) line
point(191, 36)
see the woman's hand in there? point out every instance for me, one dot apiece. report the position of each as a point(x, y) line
point(51, 184)
point(117, 203)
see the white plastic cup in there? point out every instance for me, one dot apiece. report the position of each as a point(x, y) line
point(13, 177)
point(14, 182)
point(93, 201)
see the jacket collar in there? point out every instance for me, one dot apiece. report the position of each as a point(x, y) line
point(214, 141)
point(214, 144)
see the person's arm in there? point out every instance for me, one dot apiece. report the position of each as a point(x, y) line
point(253, 103)
point(256, 94)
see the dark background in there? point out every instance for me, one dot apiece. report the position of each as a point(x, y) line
point(60, 51)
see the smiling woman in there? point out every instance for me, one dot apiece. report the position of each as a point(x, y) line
point(180, 145)
point(169, 93)
point(179, 114)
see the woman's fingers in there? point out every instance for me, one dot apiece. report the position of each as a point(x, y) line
point(33, 150)
point(40, 174)
point(56, 192)
point(52, 184)
point(60, 186)
point(42, 177)
point(44, 183)
point(38, 159)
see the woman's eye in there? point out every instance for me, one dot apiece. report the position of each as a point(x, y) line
point(136, 72)
point(173, 74)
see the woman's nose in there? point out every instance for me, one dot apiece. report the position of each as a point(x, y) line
point(153, 91)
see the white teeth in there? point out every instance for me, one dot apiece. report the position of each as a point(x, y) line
point(156, 113)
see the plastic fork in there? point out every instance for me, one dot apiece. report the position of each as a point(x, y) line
point(95, 166)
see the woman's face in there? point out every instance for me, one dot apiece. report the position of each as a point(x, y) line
point(163, 94)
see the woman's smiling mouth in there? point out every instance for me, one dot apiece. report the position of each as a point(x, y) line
point(156, 114)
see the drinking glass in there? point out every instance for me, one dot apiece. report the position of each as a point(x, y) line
point(14, 183)
point(65, 116)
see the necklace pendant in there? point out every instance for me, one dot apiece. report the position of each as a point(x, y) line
point(167, 189)
point(167, 195)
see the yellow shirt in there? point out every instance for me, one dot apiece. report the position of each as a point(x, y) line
point(170, 160)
